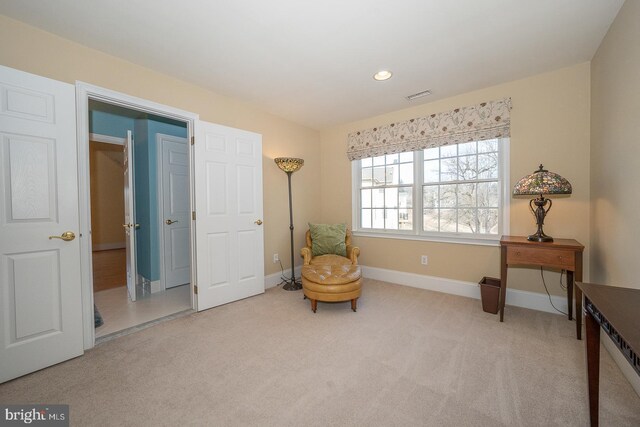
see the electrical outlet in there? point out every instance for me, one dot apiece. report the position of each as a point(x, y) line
point(276, 258)
point(424, 260)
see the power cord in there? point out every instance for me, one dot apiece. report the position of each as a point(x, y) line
point(283, 277)
point(545, 288)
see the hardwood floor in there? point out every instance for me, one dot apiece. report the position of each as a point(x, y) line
point(109, 269)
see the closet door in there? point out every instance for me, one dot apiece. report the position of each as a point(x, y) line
point(229, 232)
point(40, 295)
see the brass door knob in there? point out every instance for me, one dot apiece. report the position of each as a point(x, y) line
point(67, 236)
point(258, 221)
point(169, 222)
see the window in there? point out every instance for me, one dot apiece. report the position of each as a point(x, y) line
point(455, 192)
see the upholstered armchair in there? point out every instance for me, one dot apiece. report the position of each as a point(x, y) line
point(350, 258)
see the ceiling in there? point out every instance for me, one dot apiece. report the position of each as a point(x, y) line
point(312, 61)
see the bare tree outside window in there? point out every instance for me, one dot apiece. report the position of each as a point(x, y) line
point(458, 190)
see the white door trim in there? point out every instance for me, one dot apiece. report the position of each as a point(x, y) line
point(106, 139)
point(84, 92)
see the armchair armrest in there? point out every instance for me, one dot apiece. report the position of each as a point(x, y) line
point(306, 254)
point(352, 253)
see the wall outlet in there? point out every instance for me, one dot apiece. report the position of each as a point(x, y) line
point(424, 260)
point(276, 258)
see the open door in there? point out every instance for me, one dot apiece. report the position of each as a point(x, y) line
point(176, 212)
point(130, 217)
point(40, 290)
point(229, 233)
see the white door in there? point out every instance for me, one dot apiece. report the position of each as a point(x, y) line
point(229, 233)
point(40, 293)
point(130, 217)
point(175, 208)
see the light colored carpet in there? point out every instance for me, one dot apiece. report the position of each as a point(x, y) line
point(408, 357)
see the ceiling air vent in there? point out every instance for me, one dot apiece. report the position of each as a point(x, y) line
point(418, 95)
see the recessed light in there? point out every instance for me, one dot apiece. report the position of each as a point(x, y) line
point(382, 75)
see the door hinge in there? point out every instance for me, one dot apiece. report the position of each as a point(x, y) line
point(193, 215)
point(193, 140)
point(195, 289)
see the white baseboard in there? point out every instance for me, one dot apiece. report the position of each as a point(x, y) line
point(626, 369)
point(155, 286)
point(515, 297)
point(151, 286)
point(273, 280)
point(108, 246)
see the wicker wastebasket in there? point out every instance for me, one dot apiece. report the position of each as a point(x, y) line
point(490, 294)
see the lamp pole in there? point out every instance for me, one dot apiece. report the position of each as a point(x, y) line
point(291, 285)
point(289, 165)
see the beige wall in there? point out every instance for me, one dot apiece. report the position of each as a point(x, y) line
point(29, 49)
point(615, 152)
point(549, 125)
point(107, 195)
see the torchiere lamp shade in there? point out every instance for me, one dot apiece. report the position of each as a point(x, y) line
point(540, 183)
point(289, 164)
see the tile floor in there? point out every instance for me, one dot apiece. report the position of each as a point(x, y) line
point(119, 313)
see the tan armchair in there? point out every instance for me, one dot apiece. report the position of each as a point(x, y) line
point(351, 259)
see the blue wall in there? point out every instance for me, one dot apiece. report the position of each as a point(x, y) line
point(109, 124)
point(145, 152)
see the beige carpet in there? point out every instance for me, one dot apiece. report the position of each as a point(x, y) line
point(408, 357)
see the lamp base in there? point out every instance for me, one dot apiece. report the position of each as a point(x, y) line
point(540, 237)
point(291, 284)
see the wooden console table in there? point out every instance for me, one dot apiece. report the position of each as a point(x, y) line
point(565, 254)
point(616, 310)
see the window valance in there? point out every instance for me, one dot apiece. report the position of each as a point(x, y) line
point(486, 120)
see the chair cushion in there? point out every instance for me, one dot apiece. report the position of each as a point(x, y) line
point(331, 274)
point(328, 239)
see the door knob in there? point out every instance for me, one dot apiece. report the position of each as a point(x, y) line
point(169, 222)
point(258, 221)
point(67, 236)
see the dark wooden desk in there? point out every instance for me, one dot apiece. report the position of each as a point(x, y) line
point(616, 310)
point(565, 254)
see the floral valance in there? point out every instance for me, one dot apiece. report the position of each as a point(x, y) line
point(487, 120)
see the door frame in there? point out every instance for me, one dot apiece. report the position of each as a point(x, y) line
point(85, 92)
point(161, 195)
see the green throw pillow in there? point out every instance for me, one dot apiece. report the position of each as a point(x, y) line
point(328, 239)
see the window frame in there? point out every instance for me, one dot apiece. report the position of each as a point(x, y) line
point(504, 198)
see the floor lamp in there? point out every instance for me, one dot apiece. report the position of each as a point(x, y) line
point(289, 165)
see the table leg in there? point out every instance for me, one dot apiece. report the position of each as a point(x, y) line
point(593, 366)
point(570, 293)
point(578, 278)
point(578, 313)
point(503, 280)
